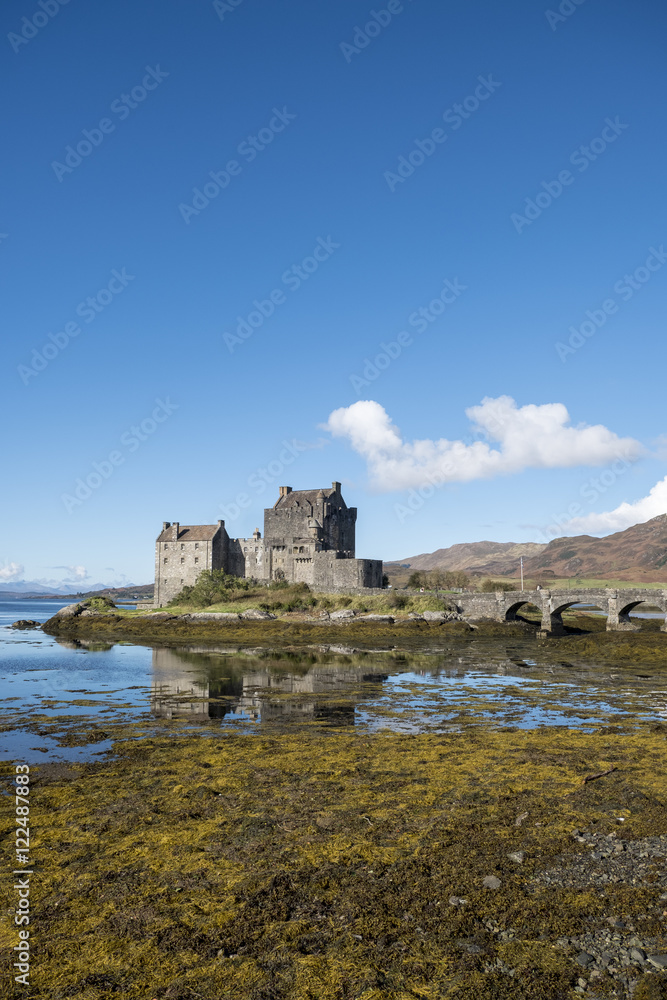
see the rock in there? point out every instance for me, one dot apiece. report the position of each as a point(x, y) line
point(90, 613)
point(491, 882)
point(254, 614)
point(436, 616)
point(517, 856)
point(584, 959)
point(344, 613)
point(70, 611)
point(520, 818)
point(377, 618)
point(160, 616)
point(457, 901)
point(638, 955)
point(657, 961)
point(25, 623)
point(415, 617)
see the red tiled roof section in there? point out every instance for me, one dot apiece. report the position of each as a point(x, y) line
point(190, 533)
point(303, 496)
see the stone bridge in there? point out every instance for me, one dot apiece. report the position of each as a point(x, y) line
point(504, 606)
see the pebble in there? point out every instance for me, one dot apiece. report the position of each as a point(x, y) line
point(491, 882)
point(517, 856)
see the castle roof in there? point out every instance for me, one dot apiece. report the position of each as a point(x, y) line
point(190, 533)
point(303, 497)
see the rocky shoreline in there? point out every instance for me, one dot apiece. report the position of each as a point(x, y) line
point(585, 636)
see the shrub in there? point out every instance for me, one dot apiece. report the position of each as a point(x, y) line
point(398, 600)
point(99, 603)
point(490, 586)
point(212, 587)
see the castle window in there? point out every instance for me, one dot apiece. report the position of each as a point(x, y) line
point(181, 579)
point(182, 545)
point(182, 559)
point(165, 560)
point(165, 579)
point(296, 548)
point(166, 546)
point(196, 559)
point(301, 548)
point(196, 545)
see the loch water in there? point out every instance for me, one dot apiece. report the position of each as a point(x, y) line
point(53, 689)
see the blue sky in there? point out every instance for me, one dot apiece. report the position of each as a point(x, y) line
point(304, 112)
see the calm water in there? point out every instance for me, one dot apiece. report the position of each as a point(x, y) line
point(51, 690)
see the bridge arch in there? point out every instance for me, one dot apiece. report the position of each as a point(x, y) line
point(626, 607)
point(513, 610)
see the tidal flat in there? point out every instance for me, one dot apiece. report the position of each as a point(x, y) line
point(362, 812)
point(349, 865)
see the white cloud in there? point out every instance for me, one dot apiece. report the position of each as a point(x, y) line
point(73, 574)
point(12, 571)
point(623, 516)
point(528, 437)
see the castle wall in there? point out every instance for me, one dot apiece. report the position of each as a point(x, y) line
point(248, 557)
point(331, 572)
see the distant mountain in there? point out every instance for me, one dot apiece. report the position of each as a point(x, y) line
point(638, 554)
point(24, 588)
point(482, 558)
point(19, 587)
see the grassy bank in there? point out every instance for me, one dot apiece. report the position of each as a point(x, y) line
point(305, 866)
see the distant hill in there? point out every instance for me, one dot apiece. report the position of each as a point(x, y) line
point(480, 558)
point(144, 590)
point(638, 554)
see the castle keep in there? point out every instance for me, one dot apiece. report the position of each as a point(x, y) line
point(309, 537)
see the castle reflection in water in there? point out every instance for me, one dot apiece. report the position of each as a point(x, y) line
point(201, 685)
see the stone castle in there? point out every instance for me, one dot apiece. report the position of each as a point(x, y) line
point(309, 537)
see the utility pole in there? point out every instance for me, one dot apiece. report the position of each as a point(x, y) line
point(521, 574)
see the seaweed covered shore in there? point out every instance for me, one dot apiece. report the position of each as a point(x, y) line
point(299, 866)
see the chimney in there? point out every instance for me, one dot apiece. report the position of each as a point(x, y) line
point(221, 524)
point(285, 490)
point(165, 525)
point(256, 534)
point(335, 487)
point(176, 526)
